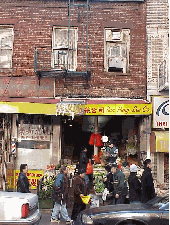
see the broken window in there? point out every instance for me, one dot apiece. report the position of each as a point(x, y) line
point(64, 53)
point(6, 46)
point(117, 45)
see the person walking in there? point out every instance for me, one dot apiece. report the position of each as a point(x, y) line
point(60, 196)
point(119, 185)
point(147, 185)
point(108, 181)
point(23, 183)
point(83, 162)
point(80, 190)
point(134, 185)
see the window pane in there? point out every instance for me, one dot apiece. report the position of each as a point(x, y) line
point(115, 51)
point(5, 58)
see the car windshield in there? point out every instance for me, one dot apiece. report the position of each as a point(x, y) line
point(158, 202)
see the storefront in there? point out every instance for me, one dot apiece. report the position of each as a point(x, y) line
point(160, 138)
point(54, 133)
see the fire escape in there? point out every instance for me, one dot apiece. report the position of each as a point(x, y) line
point(69, 55)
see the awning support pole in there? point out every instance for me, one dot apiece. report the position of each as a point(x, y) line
point(95, 131)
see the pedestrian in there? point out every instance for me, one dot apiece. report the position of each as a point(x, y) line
point(23, 183)
point(60, 196)
point(112, 151)
point(83, 162)
point(108, 182)
point(80, 189)
point(147, 185)
point(134, 185)
point(119, 185)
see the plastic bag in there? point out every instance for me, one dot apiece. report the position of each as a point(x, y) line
point(89, 168)
point(86, 199)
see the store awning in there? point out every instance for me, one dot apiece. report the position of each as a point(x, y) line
point(29, 105)
point(118, 107)
point(88, 107)
point(162, 141)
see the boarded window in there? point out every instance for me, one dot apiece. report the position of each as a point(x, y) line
point(117, 45)
point(64, 52)
point(6, 46)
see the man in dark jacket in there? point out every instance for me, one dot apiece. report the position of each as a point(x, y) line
point(80, 190)
point(60, 195)
point(134, 185)
point(147, 185)
point(119, 185)
point(23, 183)
point(83, 162)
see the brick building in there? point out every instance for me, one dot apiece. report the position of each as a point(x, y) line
point(85, 62)
point(157, 24)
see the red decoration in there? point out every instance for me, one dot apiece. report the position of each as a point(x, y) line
point(98, 140)
point(96, 159)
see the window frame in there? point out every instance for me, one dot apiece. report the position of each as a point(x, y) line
point(8, 48)
point(119, 42)
point(74, 68)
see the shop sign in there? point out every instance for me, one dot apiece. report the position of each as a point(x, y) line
point(118, 109)
point(34, 132)
point(27, 107)
point(160, 112)
point(162, 141)
point(32, 175)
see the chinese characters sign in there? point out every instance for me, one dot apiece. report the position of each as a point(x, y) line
point(118, 109)
point(160, 112)
point(32, 175)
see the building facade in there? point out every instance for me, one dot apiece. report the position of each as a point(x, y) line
point(70, 69)
point(157, 24)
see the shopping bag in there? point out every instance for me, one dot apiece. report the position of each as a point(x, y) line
point(105, 193)
point(86, 199)
point(89, 168)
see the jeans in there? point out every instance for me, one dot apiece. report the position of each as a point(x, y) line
point(86, 179)
point(62, 209)
point(119, 200)
point(77, 208)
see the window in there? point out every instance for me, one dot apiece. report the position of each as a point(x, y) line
point(6, 46)
point(60, 47)
point(117, 45)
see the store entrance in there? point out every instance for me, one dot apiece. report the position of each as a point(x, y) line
point(122, 129)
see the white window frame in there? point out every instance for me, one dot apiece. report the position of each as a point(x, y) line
point(56, 50)
point(111, 38)
point(7, 47)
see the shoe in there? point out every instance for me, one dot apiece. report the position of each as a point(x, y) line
point(55, 220)
point(69, 221)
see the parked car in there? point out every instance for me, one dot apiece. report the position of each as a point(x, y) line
point(154, 212)
point(19, 208)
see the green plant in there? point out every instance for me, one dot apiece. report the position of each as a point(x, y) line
point(47, 187)
point(99, 185)
point(58, 167)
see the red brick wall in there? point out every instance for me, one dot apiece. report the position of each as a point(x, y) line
point(33, 22)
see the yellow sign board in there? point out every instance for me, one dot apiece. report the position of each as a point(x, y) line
point(32, 175)
point(118, 109)
point(27, 107)
point(162, 141)
point(89, 109)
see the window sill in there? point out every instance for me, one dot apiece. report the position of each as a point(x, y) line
point(118, 74)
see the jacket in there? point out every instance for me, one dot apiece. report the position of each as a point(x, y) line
point(79, 186)
point(134, 188)
point(60, 188)
point(83, 160)
point(109, 182)
point(147, 185)
point(119, 183)
point(23, 183)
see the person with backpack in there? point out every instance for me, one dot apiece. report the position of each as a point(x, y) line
point(60, 196)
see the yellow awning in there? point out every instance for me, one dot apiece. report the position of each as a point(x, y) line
point(162, 141)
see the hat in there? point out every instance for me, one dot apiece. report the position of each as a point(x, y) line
point(114, 165)
point(146, 162)
point(111, 141)
point(133, 168)
point(82, 170)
